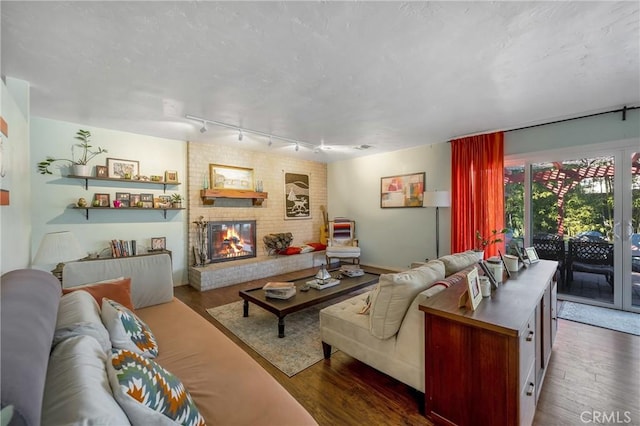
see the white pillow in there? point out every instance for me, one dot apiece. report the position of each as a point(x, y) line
point(77, 389)
point(393, 295)
point(127, 331)
point(79, 314)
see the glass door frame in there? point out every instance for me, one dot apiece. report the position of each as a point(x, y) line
point(621, 152)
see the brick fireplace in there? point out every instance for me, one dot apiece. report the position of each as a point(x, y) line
point(231, 240)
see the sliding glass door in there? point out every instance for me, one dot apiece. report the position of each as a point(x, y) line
point(583, 212)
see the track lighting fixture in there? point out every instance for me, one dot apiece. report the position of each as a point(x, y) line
point(316, 148)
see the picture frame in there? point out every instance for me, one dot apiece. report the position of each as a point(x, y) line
point(161, 202)
point(134, 199)
point(402, 190)
point(158, 243)
point(147, 201)
point(532, 255)
point(297, 196)
point(487, 272)
point(124, 198)
point(521, 258)
point(118, 168)
point(171, 176)
point(102, 171)
point(230, 177)
point(504, 264)
point(474, 295)
point(104, 199)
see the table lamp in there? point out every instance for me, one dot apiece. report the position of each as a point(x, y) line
point(437, 199)
point(57, 248)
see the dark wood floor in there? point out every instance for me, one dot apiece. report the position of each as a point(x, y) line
point(592, 370)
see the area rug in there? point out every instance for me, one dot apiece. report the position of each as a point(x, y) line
point(299, 349)
point(627, 322)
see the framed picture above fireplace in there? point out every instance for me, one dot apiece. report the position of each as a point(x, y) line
point(230, 177)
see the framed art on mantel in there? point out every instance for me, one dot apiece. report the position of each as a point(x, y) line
point(229, 177)
point(297, 197)
point(402, 190)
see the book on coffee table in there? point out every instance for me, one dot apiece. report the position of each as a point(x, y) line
point(330, 283)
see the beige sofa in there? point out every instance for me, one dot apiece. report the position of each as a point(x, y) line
point(226, 384)
point(384, 328)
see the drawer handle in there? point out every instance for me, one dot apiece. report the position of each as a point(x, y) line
point(530, 336)
point(531, 388)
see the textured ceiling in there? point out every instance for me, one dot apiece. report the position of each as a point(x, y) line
point(387, 74)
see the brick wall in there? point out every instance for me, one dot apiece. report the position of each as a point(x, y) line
point(270, 169)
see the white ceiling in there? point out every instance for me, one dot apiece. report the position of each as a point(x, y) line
point(387, 74)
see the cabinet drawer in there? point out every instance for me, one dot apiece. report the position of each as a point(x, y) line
point(527, 348)
point(528, 398)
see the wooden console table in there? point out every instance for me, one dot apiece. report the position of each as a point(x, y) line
point(487, 366)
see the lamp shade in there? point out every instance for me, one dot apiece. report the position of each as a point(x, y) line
point(58, 247)
point(436, 199)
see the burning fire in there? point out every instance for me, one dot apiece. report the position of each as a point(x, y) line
point(233, 244)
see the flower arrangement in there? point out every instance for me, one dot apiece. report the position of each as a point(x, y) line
point(87, 154)
point(483, 242)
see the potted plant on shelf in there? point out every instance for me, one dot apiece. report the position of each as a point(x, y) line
point(79, 166)
point(176, 201)
point(484, 242)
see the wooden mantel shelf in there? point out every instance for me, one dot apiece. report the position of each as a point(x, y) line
point(209, 195)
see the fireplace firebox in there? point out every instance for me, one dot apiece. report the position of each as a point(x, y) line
point(231, 240)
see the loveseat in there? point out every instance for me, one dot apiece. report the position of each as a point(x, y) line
point(384, 327)
point(56, 368)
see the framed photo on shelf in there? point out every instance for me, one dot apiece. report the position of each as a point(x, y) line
point(521, 258)
point(122, 169)
point(134, 199)
point(532, 254)
point(103, 200)
point(102, 171)
point(158, 243)
point(171, 176)
point(474, 295)
point(146, 200)
point(402, 190)
point(504, 264)
point(229, 177)
point(124, 198)
point(487, 273)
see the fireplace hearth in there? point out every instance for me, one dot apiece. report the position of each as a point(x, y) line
point(231, 240)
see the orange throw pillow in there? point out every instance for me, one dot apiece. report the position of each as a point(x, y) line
point(119, 290)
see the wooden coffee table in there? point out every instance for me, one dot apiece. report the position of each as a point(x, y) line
point(303, 299)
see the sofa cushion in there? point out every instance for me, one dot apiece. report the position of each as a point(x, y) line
point(118, 289)
point(28, 309)
point(456, 262)
point(127, 331)
point(148, 393)
point(393, 295)
point(79, 314)
point(77, 389)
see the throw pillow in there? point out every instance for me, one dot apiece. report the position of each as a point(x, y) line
point(77, 390)
point(391, 298)
point(290, 250)
point(118, 290)
point(127, 331)
point(457, 262)
point(317, 246)
point(79, 315)
point(148, 393)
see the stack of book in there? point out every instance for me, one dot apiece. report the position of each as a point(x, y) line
point(351, 270)
point(279, 290)
point(123, 248)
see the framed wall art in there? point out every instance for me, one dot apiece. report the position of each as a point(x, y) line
point(171, 176)
point(122, 169)
point(229, 177)
point(296, 196)
point(158, 243)
point(146, 200)
point(402, 190)
point(101, 200)
point(124, 198)
point(102, 171)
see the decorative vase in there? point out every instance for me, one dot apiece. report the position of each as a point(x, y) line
point(81, 170)
point(177, 204)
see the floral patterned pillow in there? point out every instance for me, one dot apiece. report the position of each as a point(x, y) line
point(148, 393)
point(126, 330)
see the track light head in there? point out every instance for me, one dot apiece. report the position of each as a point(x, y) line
point(270, 140)
point(204, 127)
point(297, 146)
point(240, 135)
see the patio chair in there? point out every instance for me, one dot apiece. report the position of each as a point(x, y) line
point(551, 247)
point(342, 243)
point(594, 257)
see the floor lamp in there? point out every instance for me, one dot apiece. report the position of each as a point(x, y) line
point(57, 248)
point(437, 199)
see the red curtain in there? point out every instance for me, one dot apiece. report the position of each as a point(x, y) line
point(477, 190)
